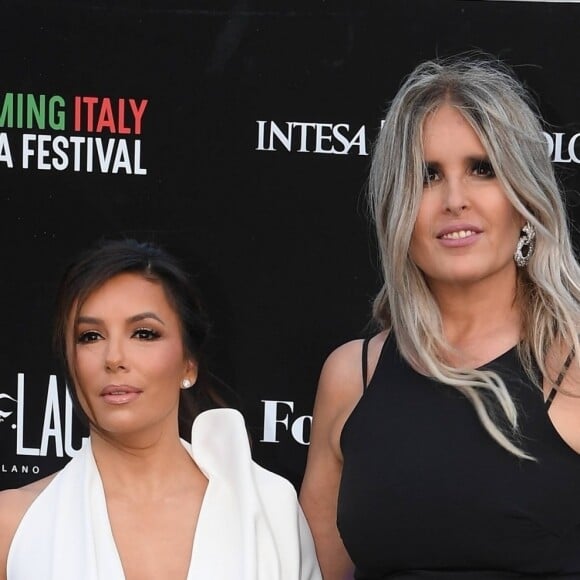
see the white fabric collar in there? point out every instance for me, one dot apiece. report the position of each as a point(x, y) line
point(250, 526)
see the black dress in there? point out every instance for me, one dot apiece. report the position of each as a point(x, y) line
point(427, 493)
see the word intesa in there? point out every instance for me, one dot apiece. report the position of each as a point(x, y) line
point(90, 114)
point(329, 138)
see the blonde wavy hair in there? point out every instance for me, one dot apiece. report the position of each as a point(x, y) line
point(504, 117)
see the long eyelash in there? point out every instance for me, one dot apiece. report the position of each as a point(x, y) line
point(428, 172)
point(153, 333)
point(84, 335)
point(486, 166)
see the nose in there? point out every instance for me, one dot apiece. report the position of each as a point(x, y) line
point(114, 356)
point(455, 198)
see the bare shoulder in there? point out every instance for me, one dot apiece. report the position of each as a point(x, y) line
point(13, 505)
point(15, 502)
point(341, 384)
point(343, 369)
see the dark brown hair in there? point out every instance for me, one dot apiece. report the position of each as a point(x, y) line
point(107, 259)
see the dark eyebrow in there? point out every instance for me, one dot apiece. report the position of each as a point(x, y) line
point(88, 320)
point(471, 159)
point(478, 159)
point(144, 316)
point(134, 318)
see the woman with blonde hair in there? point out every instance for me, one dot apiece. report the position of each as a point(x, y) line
point(448, 445)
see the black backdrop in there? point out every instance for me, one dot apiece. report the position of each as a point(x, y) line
point(250, 163)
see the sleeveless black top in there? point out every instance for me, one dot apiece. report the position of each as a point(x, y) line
point(427, 493)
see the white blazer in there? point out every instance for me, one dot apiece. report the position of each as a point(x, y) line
point(250, 526)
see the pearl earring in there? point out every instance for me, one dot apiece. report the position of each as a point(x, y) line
point(186, 384)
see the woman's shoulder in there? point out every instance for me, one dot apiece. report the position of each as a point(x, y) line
point(340, 387)
point(14, 503)
point(343, 368)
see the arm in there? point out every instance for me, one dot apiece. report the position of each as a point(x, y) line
point(339, 389)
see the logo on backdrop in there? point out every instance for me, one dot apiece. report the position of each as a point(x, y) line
point(280, 421)
point(346, 139)
point(56, 437)
point(5, 414)
point(562, 148)
point(83, 134)
point(328, 138)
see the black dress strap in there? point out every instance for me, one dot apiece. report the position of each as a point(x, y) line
point(365, 364)
point(559, 380)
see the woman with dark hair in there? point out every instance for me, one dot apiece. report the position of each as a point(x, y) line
point(138, 502)
point(448, 444)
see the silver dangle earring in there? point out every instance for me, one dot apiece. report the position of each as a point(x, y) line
point(526, 245)
point(186, 384)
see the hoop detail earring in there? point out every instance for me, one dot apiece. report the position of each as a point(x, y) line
point(186, 384)
point(526, 245)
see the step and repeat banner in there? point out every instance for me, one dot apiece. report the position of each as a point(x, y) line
point(237, 135)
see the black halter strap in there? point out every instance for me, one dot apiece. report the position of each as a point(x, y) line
point(365, 350)
point(559, 380)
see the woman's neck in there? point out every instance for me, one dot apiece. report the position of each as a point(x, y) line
point(480, 321)
point(142, 467)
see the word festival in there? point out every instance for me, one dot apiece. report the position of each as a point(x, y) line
point(83, 134)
